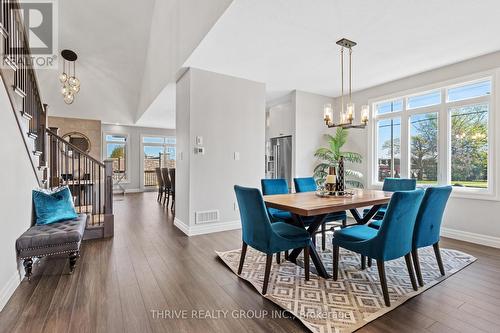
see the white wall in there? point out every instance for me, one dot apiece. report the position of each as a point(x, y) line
point(177, 27)
point(473, 220)
point(309, 130)
point(18, 180)
point(184, 150)
point(134, 158)
point(229, 113)
point(280, 119)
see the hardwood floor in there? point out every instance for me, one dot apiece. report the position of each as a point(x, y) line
point(150, 265)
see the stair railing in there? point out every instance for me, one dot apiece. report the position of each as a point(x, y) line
point(22, 78)
point(90, 181)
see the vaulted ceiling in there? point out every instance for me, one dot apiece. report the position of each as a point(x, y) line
point(128, 55)
point(127, 64)
point(111, 39)
point(290, 44)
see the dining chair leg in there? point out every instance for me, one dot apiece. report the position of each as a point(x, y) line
point(167, 193)
point(383, 282)
point(323, 236)
point(437, 252)
point(369, 261)
point(306, 262)
point(416, 264)
point(335, 262)
point(344, 223)
point(166, 196)
point(242, 257)
point(313, 239)
point(269, 261)
point(410, 272)
point(286, 255)
point(363, 262)
point(278, 258)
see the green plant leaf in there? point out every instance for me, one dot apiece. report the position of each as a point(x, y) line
point(352, 157)
point(354, 183)
point(353, 173)
point(330, 155)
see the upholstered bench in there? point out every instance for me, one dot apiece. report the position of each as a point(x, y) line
point(51, 239)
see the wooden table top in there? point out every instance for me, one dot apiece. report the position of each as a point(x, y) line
point(309, 204)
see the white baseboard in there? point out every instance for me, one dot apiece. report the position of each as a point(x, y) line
point(471, 237)
point(207, 228)
point(9, 289)
point(181, 226)
point(129, 190)
point(134, 190)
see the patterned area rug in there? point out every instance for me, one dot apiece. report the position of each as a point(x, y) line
point(324, 305)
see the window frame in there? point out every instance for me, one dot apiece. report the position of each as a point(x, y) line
point(164, 145)
point(126, 179)
point(444, 132)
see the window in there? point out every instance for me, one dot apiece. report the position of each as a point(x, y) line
point(390, 106)
point(116, 149)
point(424, 148)
point(467, 91)
point(469, 146)
point(439, 136)
point(427, 99)
point(389, 148)
point(158, 152)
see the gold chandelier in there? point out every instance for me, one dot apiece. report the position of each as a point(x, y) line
point(347, 111)
point(71, 84)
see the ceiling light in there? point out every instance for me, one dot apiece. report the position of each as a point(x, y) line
point(71, 84)
point(347, 111)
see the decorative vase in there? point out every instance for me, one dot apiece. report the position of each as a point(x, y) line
point(341, 177)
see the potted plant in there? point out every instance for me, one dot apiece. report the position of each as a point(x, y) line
point(329, 157)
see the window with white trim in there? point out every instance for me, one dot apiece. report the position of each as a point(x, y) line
point(116, 149)
point(440, 136)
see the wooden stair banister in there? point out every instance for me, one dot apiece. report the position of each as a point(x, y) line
point(55, 161)
point(90, 182)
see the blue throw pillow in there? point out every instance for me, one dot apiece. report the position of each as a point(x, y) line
point(53, 206)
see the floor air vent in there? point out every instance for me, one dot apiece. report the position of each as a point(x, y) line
point(207, 216)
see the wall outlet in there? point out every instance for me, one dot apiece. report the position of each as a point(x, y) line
point(199, 150)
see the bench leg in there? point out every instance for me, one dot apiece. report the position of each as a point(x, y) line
point(28, 265)
point(73, 256)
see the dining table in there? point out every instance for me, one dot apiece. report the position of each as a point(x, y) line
point(314, 209)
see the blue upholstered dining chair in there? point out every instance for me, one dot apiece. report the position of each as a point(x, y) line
point(391, 185)
point(428, 225)
point(276, 186)
point(393, 240)
point(308, 184)
point(264, 236)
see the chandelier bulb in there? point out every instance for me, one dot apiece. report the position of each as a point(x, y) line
point(63, 77)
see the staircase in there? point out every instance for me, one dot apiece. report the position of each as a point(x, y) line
point(55, 161)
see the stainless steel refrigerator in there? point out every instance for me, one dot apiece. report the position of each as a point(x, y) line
point(281, 159)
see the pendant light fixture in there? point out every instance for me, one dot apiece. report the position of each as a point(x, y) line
point(71, 84)
point(347, 110)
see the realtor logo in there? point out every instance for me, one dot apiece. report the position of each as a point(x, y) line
point(40, 25)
